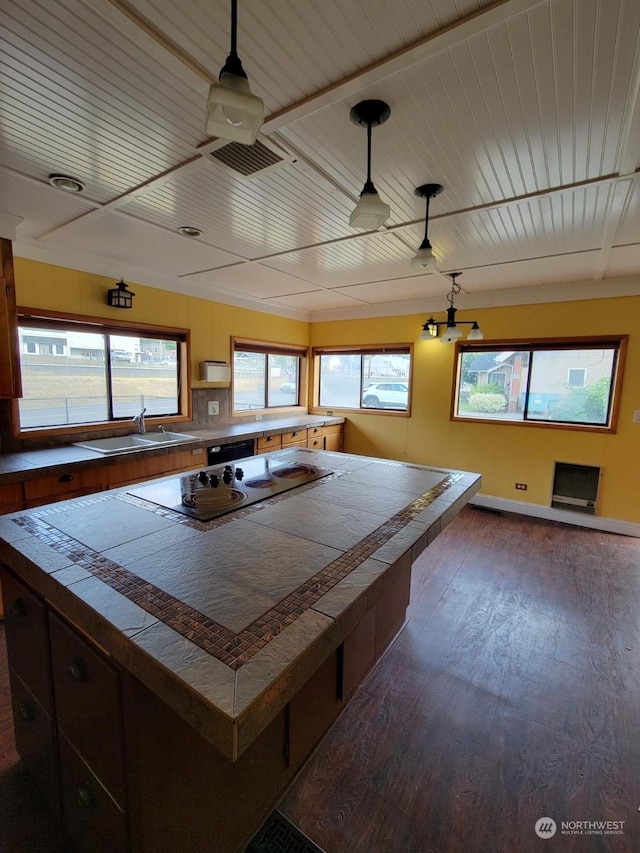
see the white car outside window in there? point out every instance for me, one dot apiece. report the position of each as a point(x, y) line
point(386, 395)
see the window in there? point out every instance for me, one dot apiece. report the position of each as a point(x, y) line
point(83, 372)
point(364, 377)
point(577, 377)
point(267, 376)
point(572, 382)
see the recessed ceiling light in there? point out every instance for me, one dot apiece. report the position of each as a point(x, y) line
point(189, 231)
point(66, 184)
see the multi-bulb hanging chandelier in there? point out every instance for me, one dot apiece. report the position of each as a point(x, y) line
point(452, 331)
point(232, 111)
point(370, 212)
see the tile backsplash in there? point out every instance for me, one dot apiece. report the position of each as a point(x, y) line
point(200, 399)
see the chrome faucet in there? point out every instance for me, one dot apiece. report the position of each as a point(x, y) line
point(139, 419)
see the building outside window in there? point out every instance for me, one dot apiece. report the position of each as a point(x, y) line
point(569, 383)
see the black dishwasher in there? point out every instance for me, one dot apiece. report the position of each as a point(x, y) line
point(229, 452)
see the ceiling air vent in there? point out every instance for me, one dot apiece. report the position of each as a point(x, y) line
point(248, 161)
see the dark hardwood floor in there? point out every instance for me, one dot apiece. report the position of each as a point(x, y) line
point(513, 693)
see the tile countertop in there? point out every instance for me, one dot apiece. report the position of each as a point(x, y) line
point(225, 620)
point(28, 464)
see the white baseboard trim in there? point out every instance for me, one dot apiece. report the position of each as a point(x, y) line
point(610, 525)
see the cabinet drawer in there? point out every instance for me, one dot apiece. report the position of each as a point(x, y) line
point(269, 442)
point(91, 817)
point(66, 484)
point(27, 638)
point(317, 443)
point(294, 437)
point(36, 742)
point(87, 693)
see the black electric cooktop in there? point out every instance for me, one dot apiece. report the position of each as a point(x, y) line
point(220, 489)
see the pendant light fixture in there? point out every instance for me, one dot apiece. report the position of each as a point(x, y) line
point(452, 331)
point(424, 259)
point(232, 111)
point(370, 212)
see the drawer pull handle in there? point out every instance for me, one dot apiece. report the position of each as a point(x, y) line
point(66, 478)
point(85, 796)
point(269, 438)
point(18, 609)
point(27, 712)
point(78, 671)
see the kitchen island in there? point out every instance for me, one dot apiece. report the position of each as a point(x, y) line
point(170, 675)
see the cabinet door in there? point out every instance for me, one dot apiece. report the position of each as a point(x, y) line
point(11, 497)
point(333, 437)
point(27, 638)
point(88, 706)
point(36, 742)
point(91, 817)
point(10, 382)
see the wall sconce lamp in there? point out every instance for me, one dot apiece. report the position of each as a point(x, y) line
point(119, 296)
point(452, 331)
point(232, 111)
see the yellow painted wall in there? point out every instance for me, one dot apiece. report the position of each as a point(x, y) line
point(504, 454)
point(212, 324)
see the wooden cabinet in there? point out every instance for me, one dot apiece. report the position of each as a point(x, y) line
point(27, 637)
point(325, 437)
point(10, 382)
point(135, 470)
point(294, 438)
point(267, 443)
point(11, 497)
point(69, 484)
point(317, 438)
point(91, 741)
point(87, 700)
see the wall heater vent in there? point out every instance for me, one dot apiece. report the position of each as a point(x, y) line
point(575, 487)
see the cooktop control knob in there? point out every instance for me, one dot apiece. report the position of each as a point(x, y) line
point(203, 477)
point(239, 473)
point(226, 477)
point(213, 481)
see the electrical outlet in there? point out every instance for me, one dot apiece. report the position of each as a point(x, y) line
point(258, 417)
point(636, 416)
point(521, 486)
point(213, 407)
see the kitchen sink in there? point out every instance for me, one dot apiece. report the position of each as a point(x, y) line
point(166, 437)
point(133, 443)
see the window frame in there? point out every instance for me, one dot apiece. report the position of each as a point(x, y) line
point(618, 342)
point(362, 350)
point(102, 325)
point(267, 348)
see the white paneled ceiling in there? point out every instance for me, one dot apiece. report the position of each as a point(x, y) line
point(526, 111)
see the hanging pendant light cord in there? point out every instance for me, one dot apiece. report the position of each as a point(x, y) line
point(426, 226)
point(234, 27)
point(233, 65)
point(369, 187)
